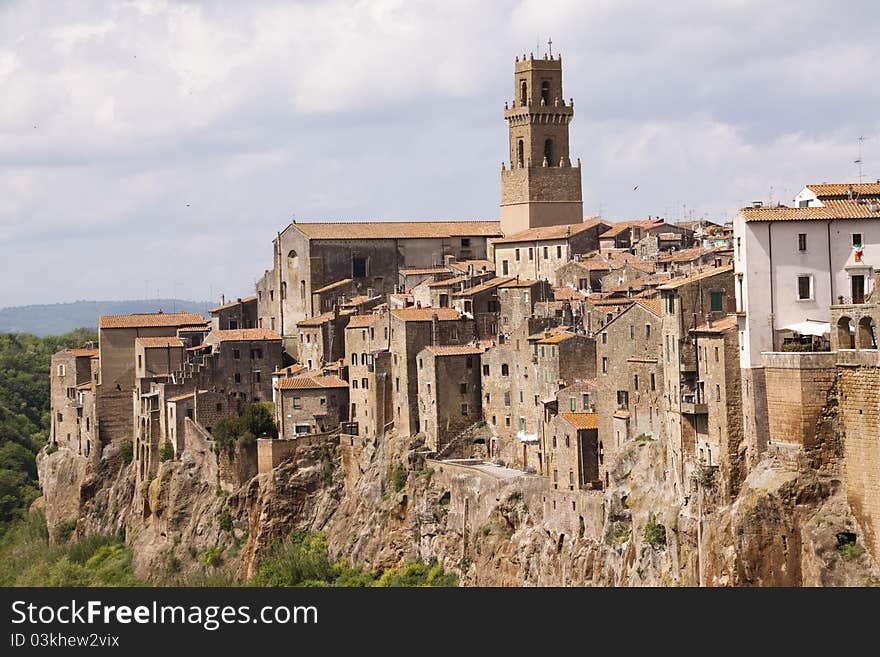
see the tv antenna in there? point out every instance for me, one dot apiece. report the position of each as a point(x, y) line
point(860, 161)
point(550, 46)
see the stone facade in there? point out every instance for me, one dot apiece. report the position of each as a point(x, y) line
point(449, 392)
point(310, 405)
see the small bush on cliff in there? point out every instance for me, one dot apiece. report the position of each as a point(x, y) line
point(64, 530)
point(166, 452)
point(398, 477)
point(654, 533)
point(847, 545)
point(302, 559)
point(618, 533)
point(126, 450)
point(418, 573)
point(255, 421)
point(225, 521)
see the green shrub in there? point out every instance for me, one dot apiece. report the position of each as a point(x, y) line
point(254, 421)
point(64, 530)
point(212, 557)
point(166, 452)
point(225, 521)
point(52, 448)
point(126, 450)
point(418, 573)
point(619, 533)
point(847, 545)
point(399, 476)
point(654, 533)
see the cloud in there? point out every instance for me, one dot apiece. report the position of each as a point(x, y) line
point(170, 141)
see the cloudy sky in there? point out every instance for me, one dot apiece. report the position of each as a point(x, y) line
point(156, 147)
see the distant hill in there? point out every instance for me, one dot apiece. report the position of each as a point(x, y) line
point(60, 318)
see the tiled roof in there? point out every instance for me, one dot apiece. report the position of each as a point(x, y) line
point(831, 210)
point(519, 282)
point(619, 227)
point(556, 339)
point(594, 262)
point(687, 255)
point(423, 272)
point(618, 259)
point(842, 189)
point(546, 333)
point(332, 286)
point(640, 282)
point(383, 230)
point(566, 293)
point(425, 314)
point(551, 232)
point(356, 301)
point(149, 320)
point(85, 386)
point(310, 382)
point(491, 284)
point(242, 335)
point(654, 305)
point(708, 273)
point(159, 343)
point(448, 282)
point(361, 321)
point(290, 370)
point(188, 395)
point(478, 265)
point(82, 352)
point(318, 320)
point(232, 304)
point(454, 350)
point(581, 420)
point(718, 326)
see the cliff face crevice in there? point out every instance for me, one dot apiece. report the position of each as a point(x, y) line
point(383, 503)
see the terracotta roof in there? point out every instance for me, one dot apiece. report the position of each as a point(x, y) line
point(491, 284)
point(718, 326)
point(521, 282)
point(566, 293)
point(678, 282)
point(383, 230)
point(619, 227)
point(82, 352)
point(478, 265)
point(85, 386)
point(423, 272)
point(618, 259)
point(159, 343)
point(425, 314)
point(640, 282)
point(232, 304)
point(842, 189)
point(332, 286)
point(687, 255)
point(454, 350)
point(581, 420)
point(149, 320)
point(188, 395)
point(361, 321)
point(621, 415)
point(831, 210)
point(290, 370)
point(447, 282)
point(242, 335)
point(310, 382)
point(546, 333)
point(654, 305)
point(199, 347)
point(556, 339)
point(551, 232)
point(356, 301)
point(318, 320)
point(594, 262)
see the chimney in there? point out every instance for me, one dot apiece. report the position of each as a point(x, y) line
point(435, 329)
point(222, 298)
point(757, 204)
point(709, 320)
point(874, 207)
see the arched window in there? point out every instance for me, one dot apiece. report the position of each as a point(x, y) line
point(354, 359)
point(545, 92)
point(523, 93)
point(520, 147)
point(548, 151)
point(845, 337)
point(867, 334)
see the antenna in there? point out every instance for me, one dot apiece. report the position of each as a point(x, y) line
point(550, 46)
point(859, 161)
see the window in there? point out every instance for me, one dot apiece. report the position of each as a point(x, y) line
point(365, 383)
point(604, 365)
point(739, 248)
point(669, 300)
point(358, 267)
point(632, 331)
point(567, 440)
point(647, 331)
point(523, 94)
point(545, 92)
point(531, 253)
point(469, 362)
point(546, 252)
point(516, 255)
point(623, 398)
point(257, 377)
point(466, 242)
point(505, 370)
point(716, 301)
point(354, 384)
point(462, 388)
point(218, 408)
point(485, 370)
point(653, 382)
point(604, 337)
point(507, 398)
point(429, 388)
point(397, 384)
point(283, 291)
point(271, 295)
point(519, 152)
point(236, 354)
point(856, 239)
point(507, 421)
point(667, 347)
point(586, 401)
point(322, 401)
point(636, 382)
point(559, 251)
point(572, 404)
point(522, 424)
point(717, 393)
point(302, 289)
point(716, 354)
point(59, 417)
point(140, 362)
point(802, 242)
point(464, 410)
point(256, 354)
point(805, 287)
point(548, 151)
point(505, 268)
point(297, 402)
point(237, 377)
point(521, 398)
point(554, 442)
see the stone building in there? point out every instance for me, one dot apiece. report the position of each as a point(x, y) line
point(310, 405)
point(321, 339)
point(686, 303)
point(70, 382)
point(561, 358)
point(310, 256)
point(537, 253)
point(575, 457)
point(480, 303)
point(630, 377)
point(243, 362)
point(413, 329)
point(516, 299)
point(238, 314)
point(583, 273)
point(719, 397)
point(369, 374)
point(449, 392)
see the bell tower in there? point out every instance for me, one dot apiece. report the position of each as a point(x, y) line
point(539, 185)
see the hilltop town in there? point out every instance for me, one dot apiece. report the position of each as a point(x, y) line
point(545, 398)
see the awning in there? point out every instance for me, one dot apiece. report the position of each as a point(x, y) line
point(527, 437)
point(808, 327)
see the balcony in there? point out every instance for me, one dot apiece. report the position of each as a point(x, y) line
point(691, 405)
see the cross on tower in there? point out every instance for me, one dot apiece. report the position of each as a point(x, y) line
point(550, 46)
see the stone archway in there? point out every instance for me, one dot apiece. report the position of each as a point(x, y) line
point(866, 333)
point(845, 336)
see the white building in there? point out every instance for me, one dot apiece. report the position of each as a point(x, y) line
point(793, 263)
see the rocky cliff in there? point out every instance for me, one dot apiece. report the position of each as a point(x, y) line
point(383, 503)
